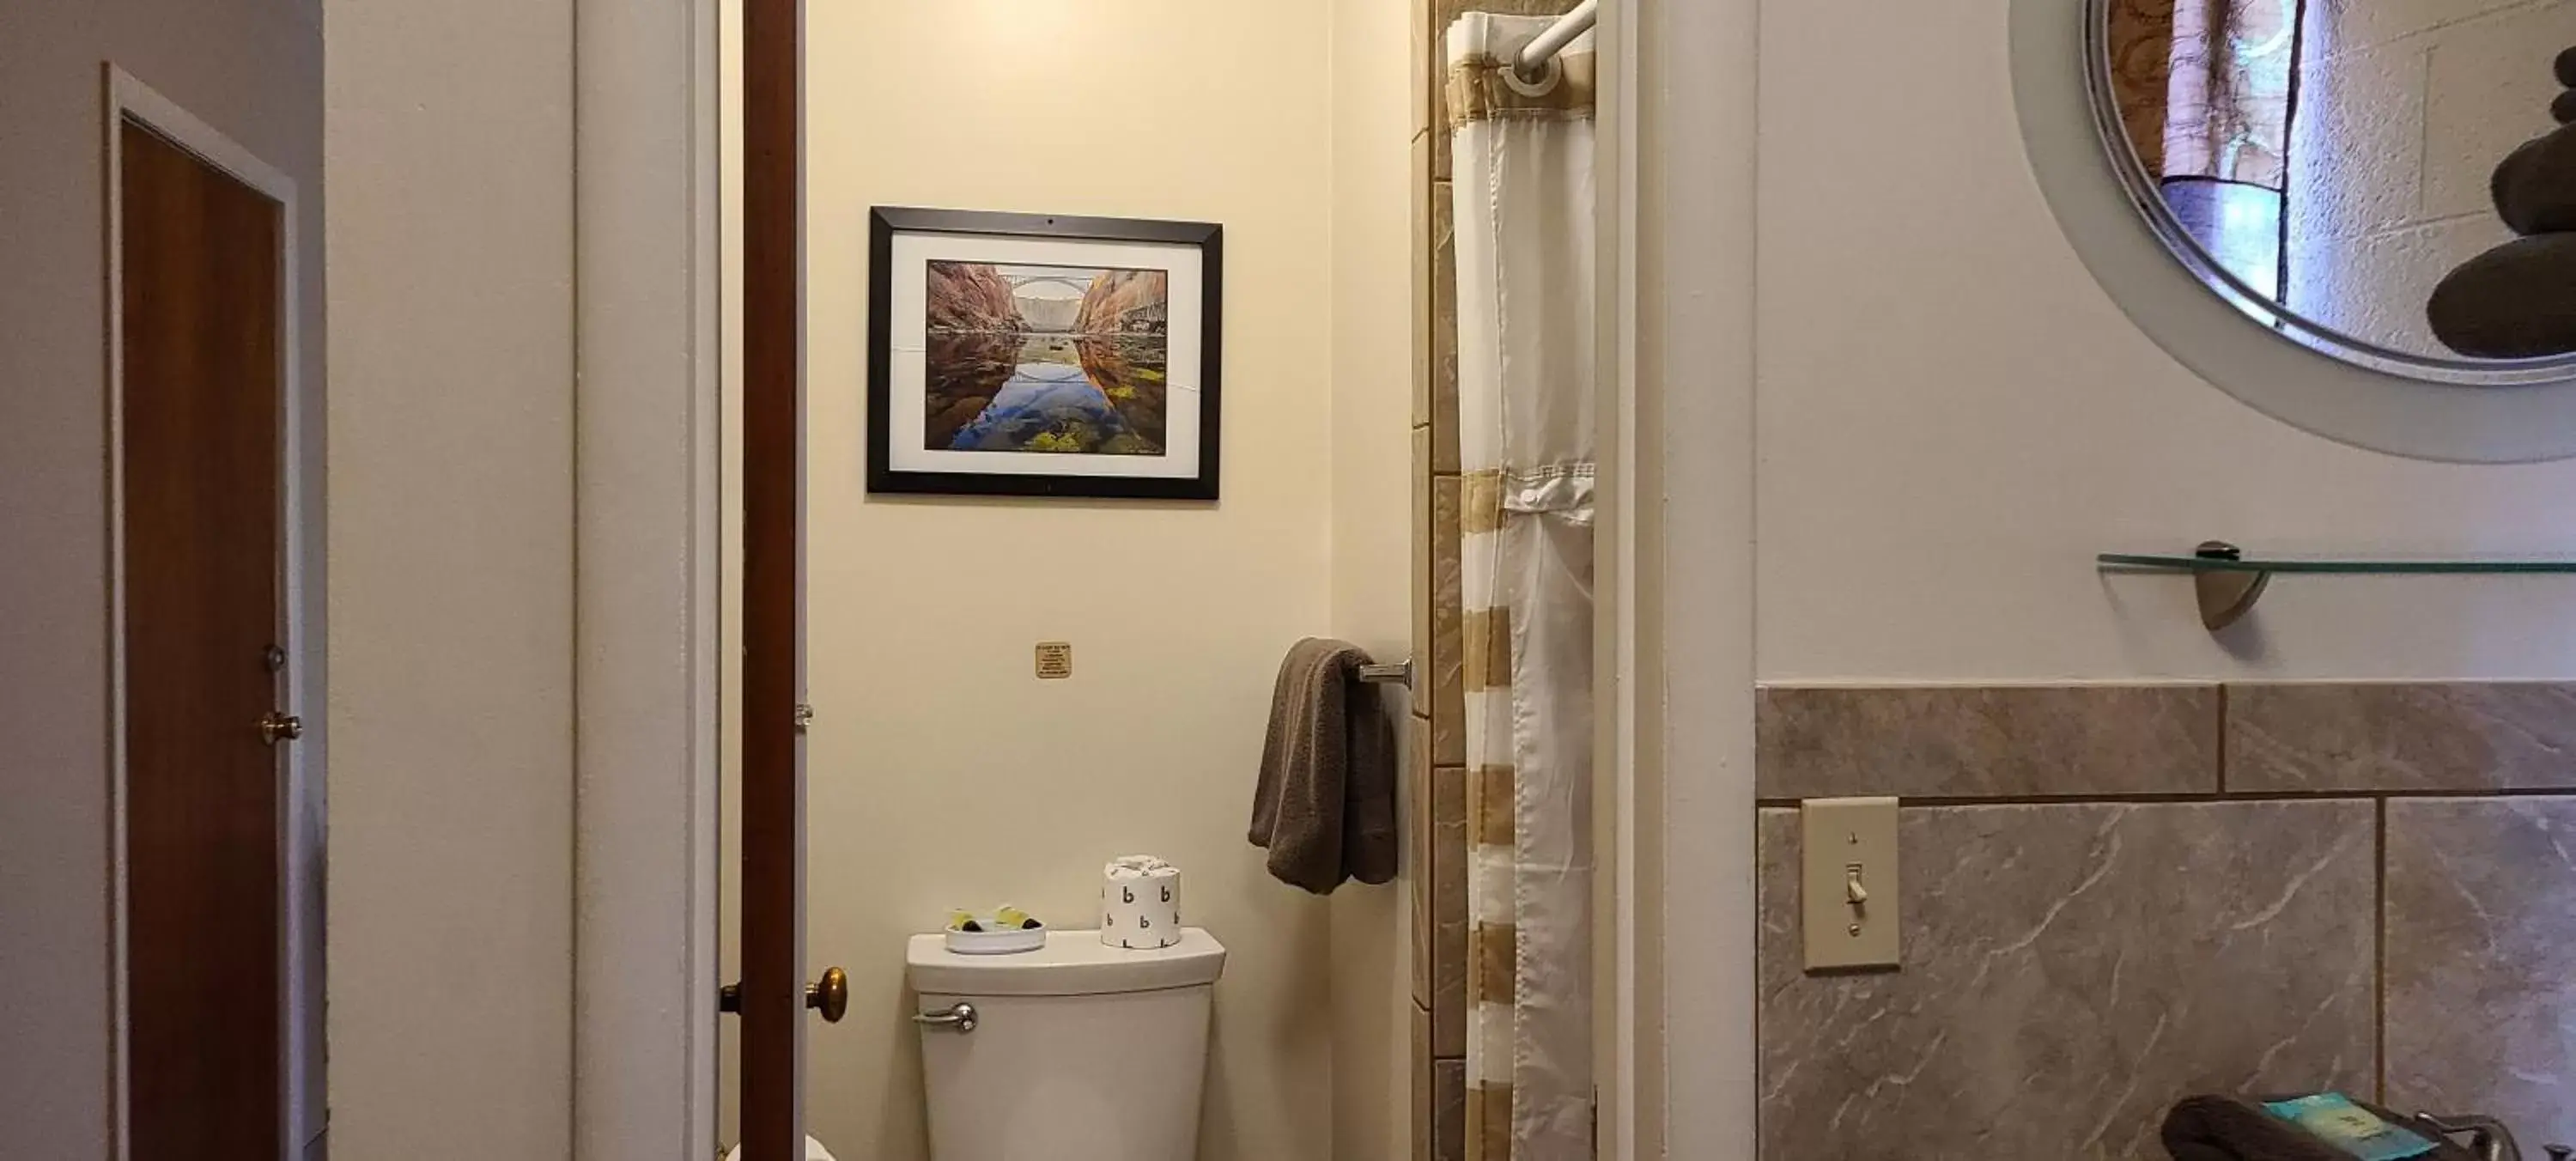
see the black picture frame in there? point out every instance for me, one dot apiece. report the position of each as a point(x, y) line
point(886, 222)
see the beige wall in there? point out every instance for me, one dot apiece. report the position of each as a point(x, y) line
point(252, 70)
point(941, 773)
point(1375, 115)
point(450, 146)
point(1953, 418)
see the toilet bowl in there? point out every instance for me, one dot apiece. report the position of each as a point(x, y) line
point(1076, 1051)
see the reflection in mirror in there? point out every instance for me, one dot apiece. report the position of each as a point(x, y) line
point(2383, 180)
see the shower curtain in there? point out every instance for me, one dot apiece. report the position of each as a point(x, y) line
point(1522, 174)
point(2204, 88)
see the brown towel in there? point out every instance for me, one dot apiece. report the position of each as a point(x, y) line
point(1325, 808)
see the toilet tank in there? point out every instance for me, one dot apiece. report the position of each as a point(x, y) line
point(1080, 1051)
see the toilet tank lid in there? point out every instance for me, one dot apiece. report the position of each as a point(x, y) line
point(1073, 963)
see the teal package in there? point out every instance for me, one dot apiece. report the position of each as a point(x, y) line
point(2333, 1118)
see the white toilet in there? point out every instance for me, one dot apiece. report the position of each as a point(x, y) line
point(1074, 1052)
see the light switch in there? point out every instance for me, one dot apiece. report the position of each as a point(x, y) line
point(1850, 888)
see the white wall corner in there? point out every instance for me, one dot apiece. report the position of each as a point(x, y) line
point(647, 506)
point(1695, 133)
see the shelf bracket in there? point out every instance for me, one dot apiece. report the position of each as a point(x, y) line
point(2225, 596)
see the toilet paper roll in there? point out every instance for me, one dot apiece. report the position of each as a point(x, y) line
point(1140, 903)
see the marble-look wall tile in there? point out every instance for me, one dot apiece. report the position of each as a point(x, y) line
point(1420, 841)
point(2071, 970)
point(1437, 63)
point(1424, 68)
point(2423, 736)
point(2481, 915)
point(1986, 741)
point(1445, 672)
point(1424, 1081)
point(1449, 912)
point(1421, 189)
point(1449, 1110)
point(1443, 344)
point(1424, 565)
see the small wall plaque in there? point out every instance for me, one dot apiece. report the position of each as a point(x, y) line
point(1055, 660)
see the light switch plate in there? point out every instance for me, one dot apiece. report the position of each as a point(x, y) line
point(1848, 850)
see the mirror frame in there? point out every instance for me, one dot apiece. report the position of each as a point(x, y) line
point(2148, 195)
point(2390, 407)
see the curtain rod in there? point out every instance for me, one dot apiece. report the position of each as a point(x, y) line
point(1544, 47)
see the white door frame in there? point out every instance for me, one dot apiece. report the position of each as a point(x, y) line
point(1677, 218)
point(1692, 158)
point(646, 504)
point(129, 99)
point(1624, 1045)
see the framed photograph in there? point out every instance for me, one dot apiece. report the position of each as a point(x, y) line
point(1028, 355)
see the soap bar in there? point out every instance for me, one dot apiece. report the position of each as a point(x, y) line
point(2333, 1118)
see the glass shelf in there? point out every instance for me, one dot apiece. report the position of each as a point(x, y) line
point(2350, 566)
point(2227, 582)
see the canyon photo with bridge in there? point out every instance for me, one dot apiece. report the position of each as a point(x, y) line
point(1033, 358)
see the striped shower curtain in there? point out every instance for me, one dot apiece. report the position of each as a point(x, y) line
point(1522, 172)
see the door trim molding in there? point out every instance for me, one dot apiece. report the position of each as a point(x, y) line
point(128, 98)
point(1627, 1118)
point(647, 579)
point(1694, 586)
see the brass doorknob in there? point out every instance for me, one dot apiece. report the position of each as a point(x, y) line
point(274, 726)
point(830, 997)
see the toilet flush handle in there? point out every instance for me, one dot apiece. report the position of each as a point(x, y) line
point(960, 1016)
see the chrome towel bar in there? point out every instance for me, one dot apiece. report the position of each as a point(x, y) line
point(1397, 673)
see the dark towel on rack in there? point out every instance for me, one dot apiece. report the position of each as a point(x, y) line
point(2212, 1128)
point(1325, 807)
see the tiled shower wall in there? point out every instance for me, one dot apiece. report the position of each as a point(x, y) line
point(1438, 789)
point(2118, 896)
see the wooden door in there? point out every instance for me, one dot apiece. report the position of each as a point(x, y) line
point(201, 265)
point(773, 994)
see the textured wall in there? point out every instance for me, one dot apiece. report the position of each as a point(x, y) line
point(252, 69)
point(2411, 105)
point(2118, 896)
point(451, 142)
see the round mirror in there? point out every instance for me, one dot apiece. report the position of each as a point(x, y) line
point(2384, 181)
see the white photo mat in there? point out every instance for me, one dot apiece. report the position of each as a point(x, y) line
point(908, 356)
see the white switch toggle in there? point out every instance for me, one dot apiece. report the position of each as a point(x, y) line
point(1851, 889)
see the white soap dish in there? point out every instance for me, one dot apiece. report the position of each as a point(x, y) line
point(997, 942)
point(1005, 932)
